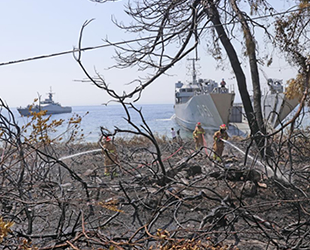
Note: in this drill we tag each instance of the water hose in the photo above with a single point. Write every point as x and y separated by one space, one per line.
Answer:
82 153
249 156
97 150
205 144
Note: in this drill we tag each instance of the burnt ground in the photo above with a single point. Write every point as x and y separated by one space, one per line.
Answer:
229 204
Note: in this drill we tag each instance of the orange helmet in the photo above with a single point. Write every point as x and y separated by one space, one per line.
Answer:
107 138
198 124
223 126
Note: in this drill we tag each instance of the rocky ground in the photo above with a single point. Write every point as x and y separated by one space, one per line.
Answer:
231 204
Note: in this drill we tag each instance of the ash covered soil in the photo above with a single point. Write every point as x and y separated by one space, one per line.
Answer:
231 203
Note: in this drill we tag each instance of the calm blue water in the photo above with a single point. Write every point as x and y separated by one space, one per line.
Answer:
159 118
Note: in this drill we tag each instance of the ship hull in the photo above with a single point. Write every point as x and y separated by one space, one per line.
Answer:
50 110
211 110
276 107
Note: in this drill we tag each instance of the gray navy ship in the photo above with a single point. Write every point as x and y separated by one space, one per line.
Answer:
48 104
202 101
206 102
276 107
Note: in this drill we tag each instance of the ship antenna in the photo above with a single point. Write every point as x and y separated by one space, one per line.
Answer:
50 94
194 70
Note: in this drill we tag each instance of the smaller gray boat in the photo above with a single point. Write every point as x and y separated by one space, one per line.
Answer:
48 104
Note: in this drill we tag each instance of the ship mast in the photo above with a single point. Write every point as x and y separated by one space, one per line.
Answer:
50 95
194 82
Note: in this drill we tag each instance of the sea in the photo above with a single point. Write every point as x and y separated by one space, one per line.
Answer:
158 117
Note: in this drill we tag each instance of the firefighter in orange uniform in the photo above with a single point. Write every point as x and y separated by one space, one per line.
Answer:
198 136
218 145
110 155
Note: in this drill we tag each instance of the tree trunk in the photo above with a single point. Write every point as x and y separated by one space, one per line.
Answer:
235 64
251 48
257 95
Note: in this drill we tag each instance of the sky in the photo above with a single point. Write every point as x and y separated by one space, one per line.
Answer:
40 27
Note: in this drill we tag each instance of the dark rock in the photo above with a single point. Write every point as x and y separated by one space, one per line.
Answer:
252 175
237 175
249 189
193 170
